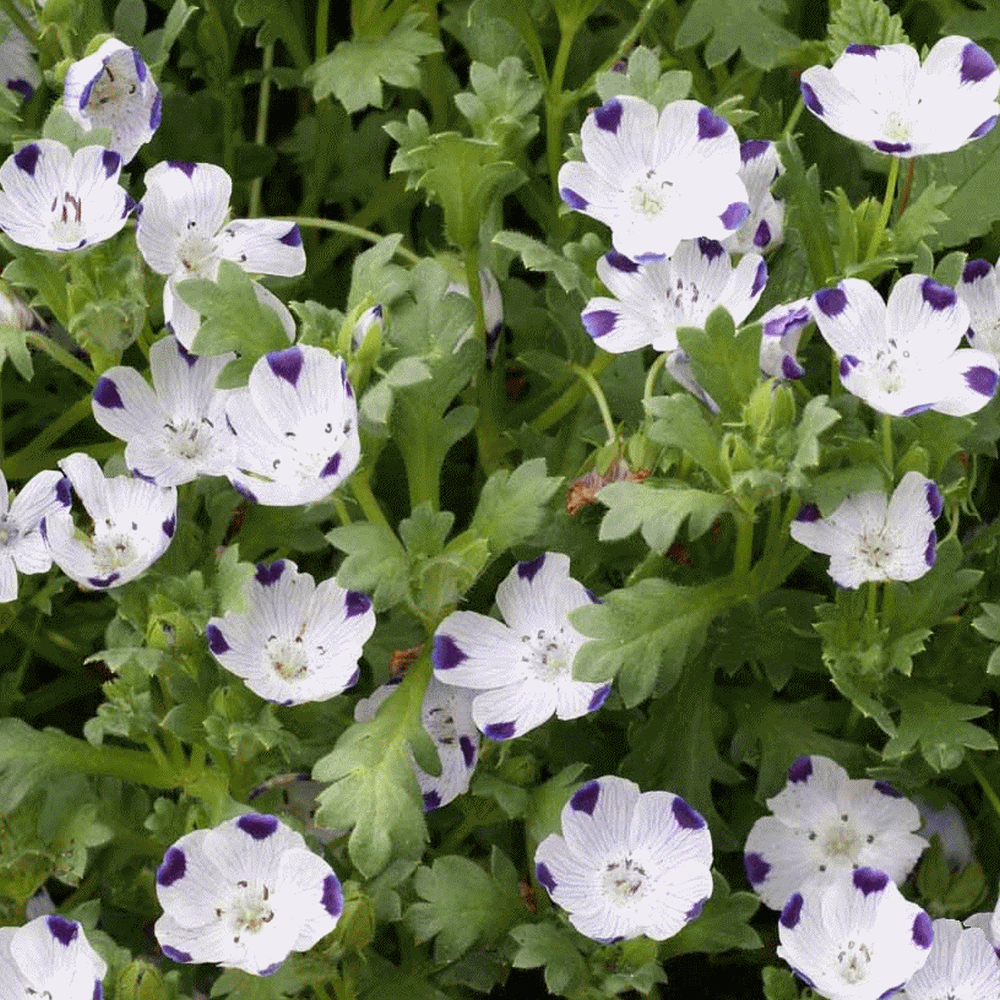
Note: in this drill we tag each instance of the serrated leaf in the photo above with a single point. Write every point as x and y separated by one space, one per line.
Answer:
680 422
643 78
553 949
14 345
724 923
512 505
376 562
779 984
278 21
738 25
536 256
923 217
500 105
863 22
816 418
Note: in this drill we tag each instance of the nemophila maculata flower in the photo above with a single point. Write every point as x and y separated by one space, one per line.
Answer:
825 823
627 862
855 938
881 95
18 66
961 965
781 330
112 88
132 524
53 199
22 548
652 300
872 537
297 641
49 957
764 227
979 289
522 670
902 357
446 715
176 430
296 427
656 179
244 895
182 232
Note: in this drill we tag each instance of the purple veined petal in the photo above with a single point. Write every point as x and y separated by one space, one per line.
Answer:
711 125
869 880
257 825
500 730
571 198
791 913
977 64
802 767
26 158
544 877
528 569
891 148
608 117
810 99
172 868
756 868
862 50
599 323
585 798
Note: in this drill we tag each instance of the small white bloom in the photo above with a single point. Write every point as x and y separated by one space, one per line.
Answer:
492 310
764 227
855 938
902 357
18 67
871 537
652 300
627 863
372 316
824 824
244 895
781 330
961 963
296 642
657 179
113 89
176 430
49 957
522 671
133 524
678 366
53 199
45 495
446 715
182 233
296 425
881 96
979 289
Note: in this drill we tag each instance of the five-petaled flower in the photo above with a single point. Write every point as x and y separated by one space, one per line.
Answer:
902 357
522 671
49 957
881 96
871 537
824 824
781 330
961 963
657 179
627 862
244 895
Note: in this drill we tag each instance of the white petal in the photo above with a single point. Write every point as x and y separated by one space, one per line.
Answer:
263 246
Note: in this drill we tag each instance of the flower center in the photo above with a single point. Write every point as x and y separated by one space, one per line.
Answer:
842 842
874 548
651 194
623 881
249 911
289 658
189 439
109 93
440 724
67 224
896 127
114 549
546 654
853 961
8 531
197 254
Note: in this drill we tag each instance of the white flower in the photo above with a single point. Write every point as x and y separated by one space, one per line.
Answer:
133 523
112 89
657 179
871 537
652 300
176 430
372 316
522 671
856 938
825 824
883 97
764 228
296 642
979 289
244 895
781 329
446 715
961 963
53 199
296 425
18 67
627 863
45 495
902 357
182 233
49 957
492 310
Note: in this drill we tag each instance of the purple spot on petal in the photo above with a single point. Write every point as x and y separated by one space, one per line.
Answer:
175 953
26 158
353 679
935 503
106 394
938 296
98 993
608 117
63 492
805 979
802 767
847 364
286 364
331 467
257 825
526 570
756 867
711 125
831 301
923 930
432 800
585 798
357 603
599 697
754 148
140 66
862 50
620 262
735 215
687 816
216 640
172 867
649 258
980 130
889 790
975 269
930 552
21 87
88 89
112 162
265 575
762 237
500 730
156 112
790 368
468 749
710 248
599 322
982 380
792 910
809 513
332 899
63 930
810 98
185 168
169 526
99 582
695 910
544 877
890 991
869 880
760 279
977 64
270 970
130 205
293 238
244 491
43 530
445 654
572 199
891 147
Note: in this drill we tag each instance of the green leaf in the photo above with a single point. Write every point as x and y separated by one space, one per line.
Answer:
14 345
279 21
512 505
988 624
38 273
724 924
536 256
376 562
463 904
816 418
554 949
779 984
863 22
939 726
374 277
738 25
355 70
499 108
644 79
289 980
659 510
680 421
923 217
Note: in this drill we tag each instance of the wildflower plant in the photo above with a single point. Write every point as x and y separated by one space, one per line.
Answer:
499 499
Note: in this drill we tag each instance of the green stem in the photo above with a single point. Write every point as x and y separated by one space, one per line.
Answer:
556 104
475 291
793 118
573 396
654 371
744 546
602 404
904 198
887 449
361 488
260 136
19 20
984 784
62 356
311 222
322 27
883 219
871 616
